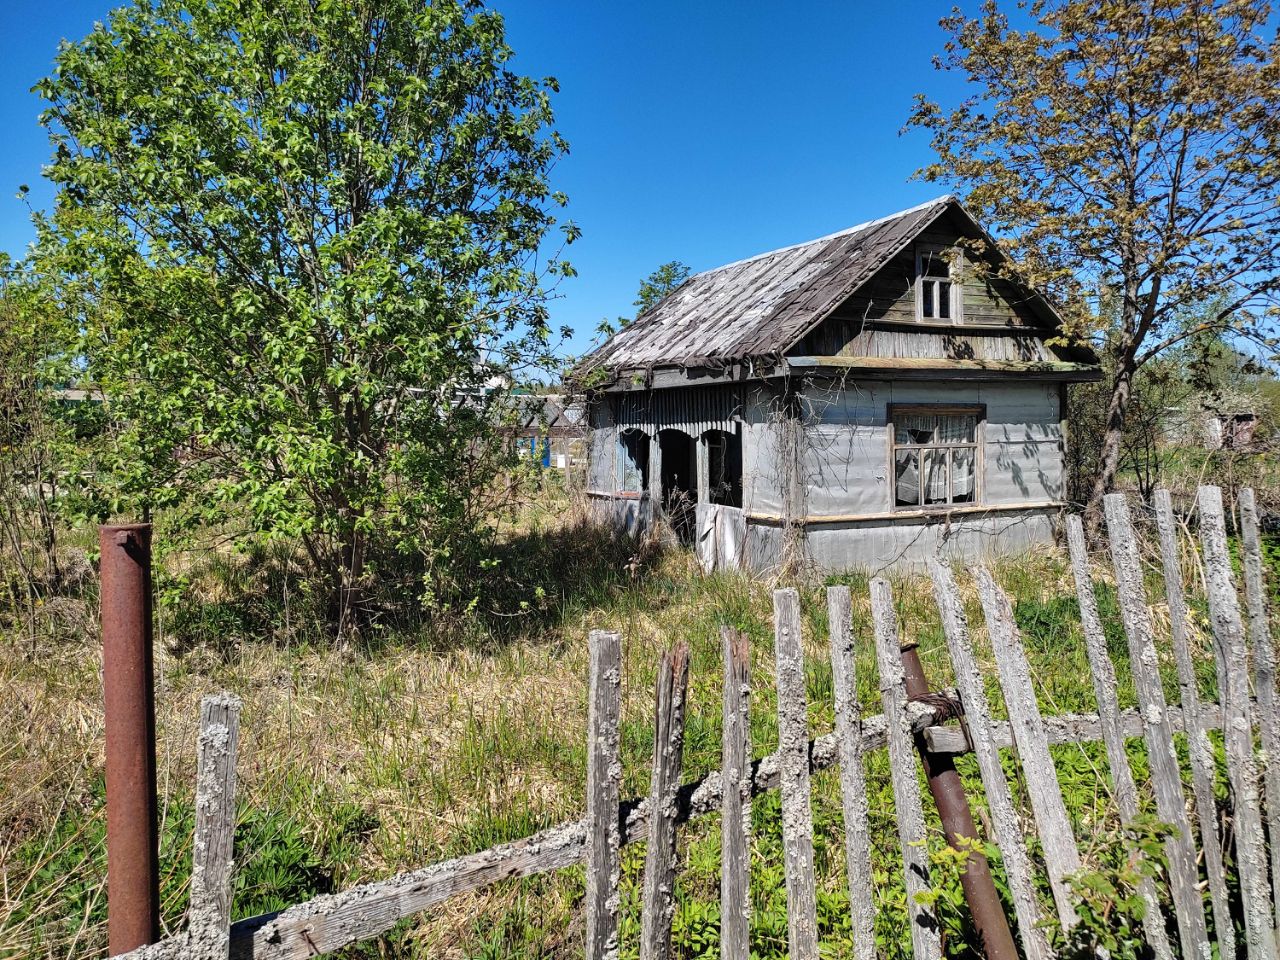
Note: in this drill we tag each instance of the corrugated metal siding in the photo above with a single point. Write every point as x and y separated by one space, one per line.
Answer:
693 409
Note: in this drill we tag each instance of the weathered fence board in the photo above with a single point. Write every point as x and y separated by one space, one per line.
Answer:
604 778
1264 676
1102 671
1166 778
212 847
1200 750
668 763
1032 745
793 750
1224 612
853 776
925 940
977 711
735 822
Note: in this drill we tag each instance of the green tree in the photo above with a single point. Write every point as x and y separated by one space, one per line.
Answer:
655 287
304 238
1126 150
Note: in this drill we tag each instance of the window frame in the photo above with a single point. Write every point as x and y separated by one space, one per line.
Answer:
976 410
954 278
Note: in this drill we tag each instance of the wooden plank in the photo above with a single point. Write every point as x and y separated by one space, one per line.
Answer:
1264 675
1004 818
1102 671
1166 776
925 939
1061 855
668 763
213 844
1204 768
1237 725
735 820
793 752
853 776
1059 728
604 778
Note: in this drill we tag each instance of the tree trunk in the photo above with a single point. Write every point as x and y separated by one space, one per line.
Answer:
1112 439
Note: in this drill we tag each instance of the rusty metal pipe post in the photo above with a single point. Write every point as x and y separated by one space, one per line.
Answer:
133 899
957 821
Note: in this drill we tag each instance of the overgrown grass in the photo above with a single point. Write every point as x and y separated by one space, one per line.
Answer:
435 739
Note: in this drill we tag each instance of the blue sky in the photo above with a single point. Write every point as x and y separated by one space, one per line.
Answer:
703 132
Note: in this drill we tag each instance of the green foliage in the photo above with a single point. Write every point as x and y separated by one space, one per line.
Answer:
302 240
277 864
653 289
1106 895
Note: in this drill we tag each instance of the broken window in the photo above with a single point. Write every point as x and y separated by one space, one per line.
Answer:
937 295
935 456
724 467
633 461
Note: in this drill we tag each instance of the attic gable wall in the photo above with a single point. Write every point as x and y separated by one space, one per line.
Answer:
880 319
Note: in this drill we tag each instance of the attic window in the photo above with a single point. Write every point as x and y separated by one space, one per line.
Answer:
937 294
937 455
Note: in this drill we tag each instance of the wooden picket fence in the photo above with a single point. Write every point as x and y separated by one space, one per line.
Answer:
333 921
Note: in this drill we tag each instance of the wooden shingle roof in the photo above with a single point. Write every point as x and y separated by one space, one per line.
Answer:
756 309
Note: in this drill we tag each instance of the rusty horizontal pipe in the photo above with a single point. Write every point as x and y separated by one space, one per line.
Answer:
133 898
957 821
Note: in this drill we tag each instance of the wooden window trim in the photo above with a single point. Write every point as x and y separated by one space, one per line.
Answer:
956 293
978 410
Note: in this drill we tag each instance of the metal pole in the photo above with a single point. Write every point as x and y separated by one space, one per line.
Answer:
133 911
957 821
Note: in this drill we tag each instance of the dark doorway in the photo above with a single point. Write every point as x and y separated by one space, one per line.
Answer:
724 467
679 481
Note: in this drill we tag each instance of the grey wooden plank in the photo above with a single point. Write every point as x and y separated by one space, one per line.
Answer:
1102 671
1264 676
735 819
925 938
1200 751
793 753
604 778
1166 777
1004 818
213 844
1061 855
853 776
658 907
1237 725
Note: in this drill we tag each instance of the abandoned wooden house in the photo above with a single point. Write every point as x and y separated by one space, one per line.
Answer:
858 401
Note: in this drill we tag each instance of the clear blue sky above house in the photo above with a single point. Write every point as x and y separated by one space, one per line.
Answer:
703 132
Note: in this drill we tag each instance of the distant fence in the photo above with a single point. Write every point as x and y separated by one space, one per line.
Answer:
905 726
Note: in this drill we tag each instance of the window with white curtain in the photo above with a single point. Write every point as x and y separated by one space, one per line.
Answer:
936 453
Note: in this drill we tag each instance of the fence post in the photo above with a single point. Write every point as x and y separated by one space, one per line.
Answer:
213 846
1061 855
977 711
1264 671
926 941
133 898
793 764
1237 727
604 778
1204 768
668 756
853 776
1102 670
1166 778
735 778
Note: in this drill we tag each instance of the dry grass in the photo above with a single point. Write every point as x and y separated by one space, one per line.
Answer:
434 747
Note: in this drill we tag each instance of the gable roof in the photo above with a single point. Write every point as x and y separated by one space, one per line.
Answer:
761 306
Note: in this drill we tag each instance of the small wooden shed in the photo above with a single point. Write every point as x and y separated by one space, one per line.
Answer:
865 399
